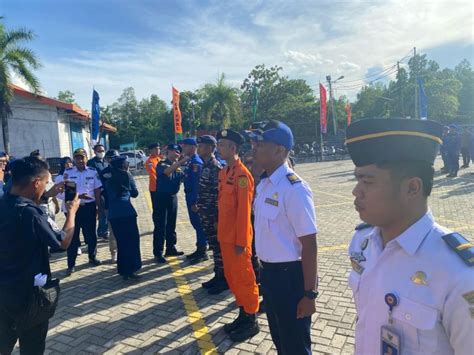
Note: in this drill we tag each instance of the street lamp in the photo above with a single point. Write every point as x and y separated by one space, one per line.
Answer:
328 78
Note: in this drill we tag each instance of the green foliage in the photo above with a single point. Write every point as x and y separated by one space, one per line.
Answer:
14 58
66 96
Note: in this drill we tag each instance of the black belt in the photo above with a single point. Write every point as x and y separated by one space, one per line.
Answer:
289 265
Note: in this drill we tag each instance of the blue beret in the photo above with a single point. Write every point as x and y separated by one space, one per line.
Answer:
189 141
174 146
208 139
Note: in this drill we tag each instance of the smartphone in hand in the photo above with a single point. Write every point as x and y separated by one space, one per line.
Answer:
70 190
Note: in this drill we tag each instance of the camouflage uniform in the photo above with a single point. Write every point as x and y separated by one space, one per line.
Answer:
207 209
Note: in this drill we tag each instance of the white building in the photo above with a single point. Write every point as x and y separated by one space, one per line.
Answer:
54 127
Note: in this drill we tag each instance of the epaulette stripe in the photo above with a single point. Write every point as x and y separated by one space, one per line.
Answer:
461 246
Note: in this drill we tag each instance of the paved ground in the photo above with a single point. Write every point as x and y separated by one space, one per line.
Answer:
168 312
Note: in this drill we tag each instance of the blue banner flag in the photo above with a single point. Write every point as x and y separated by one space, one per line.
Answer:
423 101
95 116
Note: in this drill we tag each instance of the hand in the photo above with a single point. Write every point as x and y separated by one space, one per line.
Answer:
239 250
194 208
183 160
55 190
73 205
306 307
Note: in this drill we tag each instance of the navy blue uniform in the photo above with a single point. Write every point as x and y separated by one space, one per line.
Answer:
167 206
25 235
120 186
453 149
100 166
191 188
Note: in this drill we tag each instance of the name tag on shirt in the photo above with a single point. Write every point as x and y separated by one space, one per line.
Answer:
89 178
390 342
271 202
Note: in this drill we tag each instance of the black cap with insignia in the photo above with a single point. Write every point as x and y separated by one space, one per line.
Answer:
174 146
153 146
231 135
374 141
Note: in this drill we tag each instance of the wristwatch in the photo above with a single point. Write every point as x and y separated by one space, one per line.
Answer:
311 294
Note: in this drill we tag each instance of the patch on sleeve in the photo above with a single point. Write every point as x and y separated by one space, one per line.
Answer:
243 183
469 297
293 178
195 168
461 246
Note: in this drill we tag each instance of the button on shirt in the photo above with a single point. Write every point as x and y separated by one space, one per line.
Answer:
284 212
86 181
434 315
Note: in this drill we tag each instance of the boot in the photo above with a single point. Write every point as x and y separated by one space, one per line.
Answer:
228 328
193 255
247 328
200 256
208 284
173 252
219 286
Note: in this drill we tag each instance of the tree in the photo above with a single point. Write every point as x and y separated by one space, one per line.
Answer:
465 75
220 104
14 58
66 96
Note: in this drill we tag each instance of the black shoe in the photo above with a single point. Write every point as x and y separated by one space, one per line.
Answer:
228 328
95 262
208 284
160 259
199 258
218 287
247 329
134 277
193 255
70 271
173 252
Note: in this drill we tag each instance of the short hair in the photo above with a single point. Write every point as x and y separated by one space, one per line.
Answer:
27 169
97 146
400 170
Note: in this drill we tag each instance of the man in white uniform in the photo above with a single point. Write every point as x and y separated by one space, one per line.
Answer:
285 241
412 279
89 190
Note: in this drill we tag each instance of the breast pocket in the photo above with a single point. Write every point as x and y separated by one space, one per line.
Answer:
268 213
418 323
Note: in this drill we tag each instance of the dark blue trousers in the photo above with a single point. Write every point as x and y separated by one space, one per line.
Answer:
167 213
201 239
283 288
85 220
128 245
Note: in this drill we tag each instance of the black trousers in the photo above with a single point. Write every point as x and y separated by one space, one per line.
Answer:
466 157
32 341
282 285
85 220
167 213
154 213
128 244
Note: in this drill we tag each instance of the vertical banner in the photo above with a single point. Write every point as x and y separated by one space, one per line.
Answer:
323 119
423 101
95 117
178 129
349 113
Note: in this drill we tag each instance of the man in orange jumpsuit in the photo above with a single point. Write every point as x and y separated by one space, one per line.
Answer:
150 166
234 232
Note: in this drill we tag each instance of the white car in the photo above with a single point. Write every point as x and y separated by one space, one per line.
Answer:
136 159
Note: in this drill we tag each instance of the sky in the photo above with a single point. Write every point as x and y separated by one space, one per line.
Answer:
152 45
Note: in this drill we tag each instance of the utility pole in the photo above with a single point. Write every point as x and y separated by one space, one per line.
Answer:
400 88
328 78
416 83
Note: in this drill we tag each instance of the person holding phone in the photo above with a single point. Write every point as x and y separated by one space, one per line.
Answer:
123 217
88 187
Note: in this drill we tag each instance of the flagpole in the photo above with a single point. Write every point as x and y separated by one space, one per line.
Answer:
320 127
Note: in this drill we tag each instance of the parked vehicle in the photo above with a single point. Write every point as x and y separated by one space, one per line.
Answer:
136 159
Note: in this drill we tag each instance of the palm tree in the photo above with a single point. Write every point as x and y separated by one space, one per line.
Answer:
14 59
220 103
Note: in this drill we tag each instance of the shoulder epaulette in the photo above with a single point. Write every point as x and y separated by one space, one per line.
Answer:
461 246
362 226
293 178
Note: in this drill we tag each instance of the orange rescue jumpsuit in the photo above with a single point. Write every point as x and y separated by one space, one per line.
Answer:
234 228
150 166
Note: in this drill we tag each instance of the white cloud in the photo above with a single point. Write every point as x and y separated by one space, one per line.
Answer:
309 39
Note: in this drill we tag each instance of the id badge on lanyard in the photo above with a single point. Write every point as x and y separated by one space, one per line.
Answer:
390 341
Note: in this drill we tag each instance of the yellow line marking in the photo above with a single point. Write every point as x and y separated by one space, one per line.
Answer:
200 330
333 247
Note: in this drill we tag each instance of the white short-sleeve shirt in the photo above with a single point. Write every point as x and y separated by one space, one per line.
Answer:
284 212
86 181
435 289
